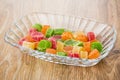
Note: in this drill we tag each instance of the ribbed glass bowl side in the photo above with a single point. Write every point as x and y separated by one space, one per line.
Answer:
105 33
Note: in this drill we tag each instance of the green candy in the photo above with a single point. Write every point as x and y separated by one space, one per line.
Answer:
73 43
37 26
43 45
61 54
49 32
58 31
97 45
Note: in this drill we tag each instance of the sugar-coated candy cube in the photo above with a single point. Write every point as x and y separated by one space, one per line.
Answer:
76 49
53 41
60 46
75 55
37 26
21 41
49 32
45 28
94 54
30 45
61 54
87 46
96 45
58 31
91 36
50 50
67 35
68 49
43 45
37 36
83 54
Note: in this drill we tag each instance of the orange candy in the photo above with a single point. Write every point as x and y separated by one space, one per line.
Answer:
81 37
36 44
95 40
50 50
44 29
86 46
94 54
29 38
68 49
66 35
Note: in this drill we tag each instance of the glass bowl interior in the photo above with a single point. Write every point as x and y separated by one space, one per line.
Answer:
104 33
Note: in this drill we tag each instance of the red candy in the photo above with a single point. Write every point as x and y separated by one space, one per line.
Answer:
53 41
21 41
75 55
91 36
32 30
37 36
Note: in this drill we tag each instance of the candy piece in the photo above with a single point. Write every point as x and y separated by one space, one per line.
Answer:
60 46
75 55
68 49
81 37
78 43
69 42
73 42
21 41
37 26
28 45
91 36
83 54
78 33
44 44
66 35
76 49
57 37
94 54
58 31
87 46
44 29
36 44
29 38
37 36
61 54
50 50
53 41
96 45
49 32
95 40
32 30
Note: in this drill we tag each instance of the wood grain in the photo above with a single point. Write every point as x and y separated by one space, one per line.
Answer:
15 65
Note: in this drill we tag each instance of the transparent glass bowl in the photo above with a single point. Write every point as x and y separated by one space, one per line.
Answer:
104 32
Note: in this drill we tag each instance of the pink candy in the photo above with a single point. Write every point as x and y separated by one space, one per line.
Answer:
75 55
21 41
37 36
54 43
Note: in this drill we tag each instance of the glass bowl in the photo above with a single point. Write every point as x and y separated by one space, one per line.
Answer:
104 32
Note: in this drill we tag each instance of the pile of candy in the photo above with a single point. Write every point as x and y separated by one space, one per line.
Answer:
62 42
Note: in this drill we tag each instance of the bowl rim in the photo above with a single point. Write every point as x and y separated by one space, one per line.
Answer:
97 59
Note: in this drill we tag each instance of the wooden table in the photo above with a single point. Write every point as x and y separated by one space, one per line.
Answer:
17 66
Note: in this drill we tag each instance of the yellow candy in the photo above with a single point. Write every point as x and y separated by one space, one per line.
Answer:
28 45
76 49
60 46
83 54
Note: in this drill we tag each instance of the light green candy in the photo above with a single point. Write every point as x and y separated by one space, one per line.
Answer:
97 45
73 43
49 32
58 31
43 45
37 26
61 54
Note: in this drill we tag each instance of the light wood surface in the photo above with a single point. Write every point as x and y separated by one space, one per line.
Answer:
15 65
